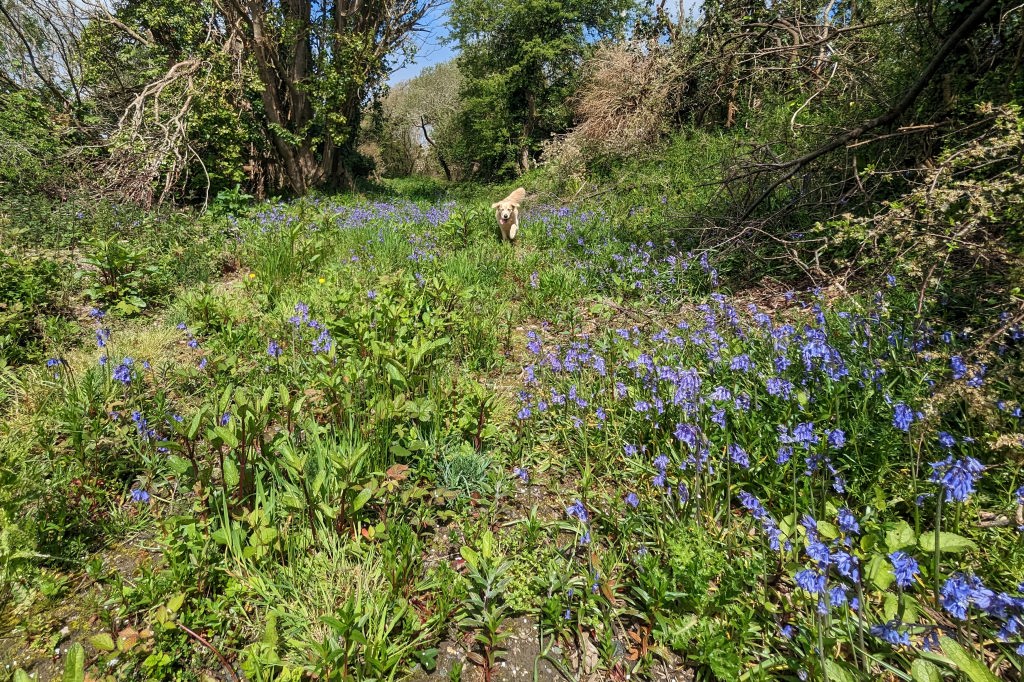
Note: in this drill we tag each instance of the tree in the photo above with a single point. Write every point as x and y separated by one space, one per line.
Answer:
520 61
317 62
419 115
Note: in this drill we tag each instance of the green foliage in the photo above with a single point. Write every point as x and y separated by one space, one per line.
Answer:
519 63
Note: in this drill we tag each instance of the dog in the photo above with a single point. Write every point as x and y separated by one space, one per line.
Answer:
507 213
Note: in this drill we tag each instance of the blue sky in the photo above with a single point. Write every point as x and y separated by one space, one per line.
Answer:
430 51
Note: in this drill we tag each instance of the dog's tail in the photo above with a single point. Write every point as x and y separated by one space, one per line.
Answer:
516 197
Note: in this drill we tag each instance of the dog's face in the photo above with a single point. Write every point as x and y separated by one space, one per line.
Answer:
505 210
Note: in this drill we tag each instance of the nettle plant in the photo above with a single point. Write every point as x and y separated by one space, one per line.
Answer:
839 456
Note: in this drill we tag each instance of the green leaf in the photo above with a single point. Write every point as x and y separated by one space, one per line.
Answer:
471 557
925 671
231 475
175 603
966 662
21 676
879 572
827 530
948 542
838 673
103 642
890 606
74 664
899 537
361 499
487 544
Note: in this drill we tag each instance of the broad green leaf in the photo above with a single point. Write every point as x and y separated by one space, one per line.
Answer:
361 499
975 670
487 544
890 606
74 664
231 475
21 676
925 671
175 603
899 537
948 542
471 557
837 672
879 572
103 642
827 530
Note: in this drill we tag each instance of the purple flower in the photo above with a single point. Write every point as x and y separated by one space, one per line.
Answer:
140 496
274 349
810 581
957 477
741 363
102 337
905 568
739 456
632 500
836 438
522 473
959 367
372 295
946 440
123 372
578 511
889 632
902 417
847 522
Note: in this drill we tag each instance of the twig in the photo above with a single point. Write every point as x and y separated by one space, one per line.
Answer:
199 638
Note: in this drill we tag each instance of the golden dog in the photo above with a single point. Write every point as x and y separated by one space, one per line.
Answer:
507 213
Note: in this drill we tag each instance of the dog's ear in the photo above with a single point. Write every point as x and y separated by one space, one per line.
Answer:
496 204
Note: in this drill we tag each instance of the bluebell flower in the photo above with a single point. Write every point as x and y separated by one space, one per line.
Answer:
140 496
739 456
274 349
847 522
810 581
524 413
784 454
955 593
52 362
522 473
959 367
946 440
225 419
578 511
779 387
905 568
192 343
102 337
181 326
96 314
836 438
890 280
890 633
629 450
957 477
902 417
632 500
123 372
741 363
372 295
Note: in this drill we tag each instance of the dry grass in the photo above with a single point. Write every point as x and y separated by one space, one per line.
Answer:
628 93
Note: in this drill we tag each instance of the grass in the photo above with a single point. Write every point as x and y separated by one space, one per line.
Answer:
379 429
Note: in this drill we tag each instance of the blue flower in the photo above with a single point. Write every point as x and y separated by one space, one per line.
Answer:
957 477
810 581
372 295
959 367
905 568
889 632
836 438
739 456
955 593
847 522
902 417
522 473
578 511
274 349
123 372
946 440
787 631
632 500
96 314
140 496
741 363
102 337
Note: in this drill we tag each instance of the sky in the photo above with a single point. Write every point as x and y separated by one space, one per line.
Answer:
431 50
